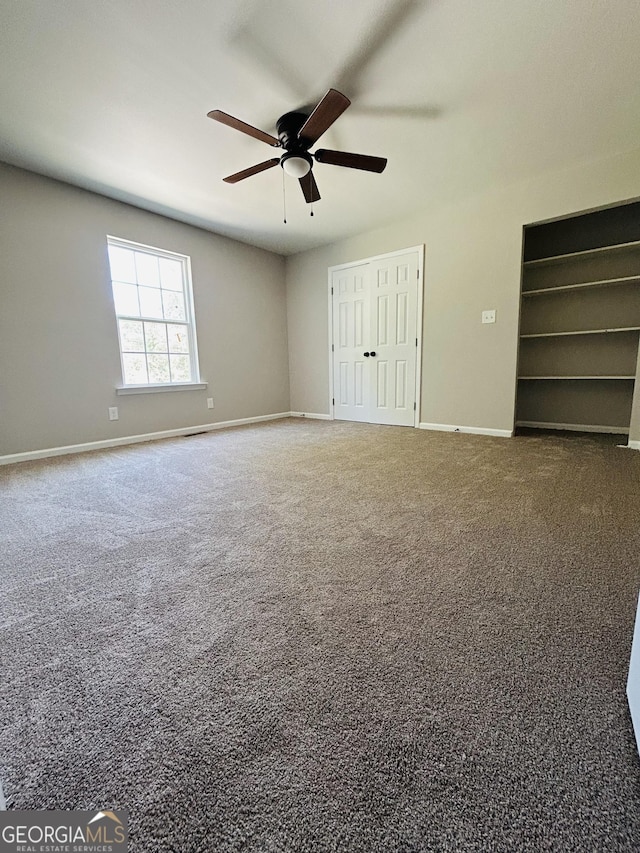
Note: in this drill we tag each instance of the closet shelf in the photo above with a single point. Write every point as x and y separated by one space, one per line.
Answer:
558 259
577 377
614 430
582 332
606 282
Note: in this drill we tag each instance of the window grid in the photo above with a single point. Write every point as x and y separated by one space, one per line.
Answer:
163 279
145 351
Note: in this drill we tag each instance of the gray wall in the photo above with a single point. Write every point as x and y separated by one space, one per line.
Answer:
472 262
59 359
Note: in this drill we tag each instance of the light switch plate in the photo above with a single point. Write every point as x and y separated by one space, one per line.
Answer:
489 316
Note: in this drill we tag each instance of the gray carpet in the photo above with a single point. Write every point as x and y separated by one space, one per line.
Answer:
311 636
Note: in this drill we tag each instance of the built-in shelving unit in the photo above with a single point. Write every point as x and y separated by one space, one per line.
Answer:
580 322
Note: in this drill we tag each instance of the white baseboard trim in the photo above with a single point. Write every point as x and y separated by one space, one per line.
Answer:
313 415
633 445
133 439
501 433
574 427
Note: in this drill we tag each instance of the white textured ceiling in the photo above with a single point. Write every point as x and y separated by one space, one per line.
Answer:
113 95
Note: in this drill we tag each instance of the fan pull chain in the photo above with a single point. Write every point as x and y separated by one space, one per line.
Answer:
284 200
311 214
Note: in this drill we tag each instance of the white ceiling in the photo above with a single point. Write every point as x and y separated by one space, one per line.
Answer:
113 95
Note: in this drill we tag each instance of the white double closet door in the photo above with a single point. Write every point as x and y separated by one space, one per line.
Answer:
375 334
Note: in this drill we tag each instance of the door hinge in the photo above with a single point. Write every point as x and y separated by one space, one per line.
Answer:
333 402
414 407
332 348
332 291
417 273
416 342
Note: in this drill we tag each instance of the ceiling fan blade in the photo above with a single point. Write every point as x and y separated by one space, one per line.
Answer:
351 161
236 124
309 188
252 170
326 112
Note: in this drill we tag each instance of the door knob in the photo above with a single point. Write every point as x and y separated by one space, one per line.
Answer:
366 355
372 353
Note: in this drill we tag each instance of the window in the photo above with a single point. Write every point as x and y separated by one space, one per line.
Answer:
154 309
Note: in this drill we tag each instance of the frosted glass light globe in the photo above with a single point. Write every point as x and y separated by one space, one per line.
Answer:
297 167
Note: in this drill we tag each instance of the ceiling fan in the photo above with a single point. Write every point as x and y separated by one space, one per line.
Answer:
297 133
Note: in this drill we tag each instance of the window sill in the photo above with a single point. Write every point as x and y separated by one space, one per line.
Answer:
153 389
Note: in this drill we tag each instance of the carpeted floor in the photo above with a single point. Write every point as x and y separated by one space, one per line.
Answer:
303 637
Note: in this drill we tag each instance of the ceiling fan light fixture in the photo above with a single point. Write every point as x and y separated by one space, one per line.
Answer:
296 165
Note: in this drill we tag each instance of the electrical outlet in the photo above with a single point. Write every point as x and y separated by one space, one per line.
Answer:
113 413
489 316
209 402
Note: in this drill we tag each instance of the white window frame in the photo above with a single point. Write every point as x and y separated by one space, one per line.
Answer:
189 323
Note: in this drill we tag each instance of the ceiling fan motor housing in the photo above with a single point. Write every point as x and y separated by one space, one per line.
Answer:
288 128
296 149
